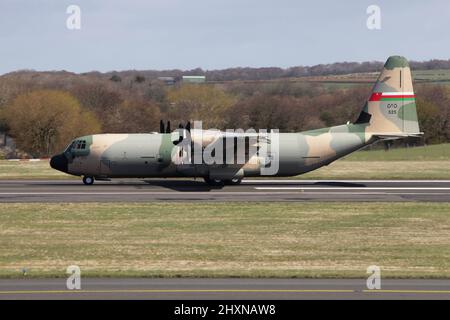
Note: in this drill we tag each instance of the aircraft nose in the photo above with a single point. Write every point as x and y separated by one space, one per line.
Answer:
59 162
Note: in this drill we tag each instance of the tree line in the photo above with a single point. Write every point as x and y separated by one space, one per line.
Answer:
270 73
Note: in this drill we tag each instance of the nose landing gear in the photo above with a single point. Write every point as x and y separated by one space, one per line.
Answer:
88 180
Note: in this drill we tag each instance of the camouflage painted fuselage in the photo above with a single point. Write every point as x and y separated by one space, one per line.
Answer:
151 155
389 113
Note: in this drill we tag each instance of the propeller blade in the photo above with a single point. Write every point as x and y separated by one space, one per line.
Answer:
161 126
188 126
168 127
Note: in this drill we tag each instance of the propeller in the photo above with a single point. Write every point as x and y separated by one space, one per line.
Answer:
187 127
164 129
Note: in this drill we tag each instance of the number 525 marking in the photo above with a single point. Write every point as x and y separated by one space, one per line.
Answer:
392 108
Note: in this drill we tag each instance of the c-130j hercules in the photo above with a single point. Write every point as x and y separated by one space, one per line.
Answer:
389 113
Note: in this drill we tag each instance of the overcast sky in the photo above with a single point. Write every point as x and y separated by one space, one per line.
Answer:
215 34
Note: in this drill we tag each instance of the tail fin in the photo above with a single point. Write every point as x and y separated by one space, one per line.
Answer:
391 108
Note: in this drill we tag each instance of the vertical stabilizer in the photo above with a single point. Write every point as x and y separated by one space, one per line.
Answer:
391 108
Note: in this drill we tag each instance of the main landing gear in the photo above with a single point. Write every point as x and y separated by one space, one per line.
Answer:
220 182
88 180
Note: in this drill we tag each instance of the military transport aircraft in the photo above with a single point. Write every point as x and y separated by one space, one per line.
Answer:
389 113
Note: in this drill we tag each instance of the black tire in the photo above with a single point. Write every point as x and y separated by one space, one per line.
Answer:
88 180
233 182
214 182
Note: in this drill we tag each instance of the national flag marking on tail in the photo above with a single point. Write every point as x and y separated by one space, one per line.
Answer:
391 96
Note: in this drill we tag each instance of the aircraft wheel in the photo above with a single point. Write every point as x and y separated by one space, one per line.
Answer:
214 182
88 180
233 182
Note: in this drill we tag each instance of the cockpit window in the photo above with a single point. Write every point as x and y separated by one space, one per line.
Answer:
81 144
78 145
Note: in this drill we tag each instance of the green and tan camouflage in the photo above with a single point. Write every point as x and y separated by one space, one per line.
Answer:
389 113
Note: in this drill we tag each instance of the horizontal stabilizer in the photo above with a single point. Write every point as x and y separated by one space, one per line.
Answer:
396 135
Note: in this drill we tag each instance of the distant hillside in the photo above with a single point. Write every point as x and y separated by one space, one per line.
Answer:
245 73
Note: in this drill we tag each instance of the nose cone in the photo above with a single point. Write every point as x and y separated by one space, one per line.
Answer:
59 162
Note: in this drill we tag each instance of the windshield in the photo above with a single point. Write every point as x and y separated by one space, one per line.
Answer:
76 145
70 146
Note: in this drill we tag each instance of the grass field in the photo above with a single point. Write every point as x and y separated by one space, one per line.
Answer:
344 81
439 76
29 170
401 170
226 239
438 152
430 162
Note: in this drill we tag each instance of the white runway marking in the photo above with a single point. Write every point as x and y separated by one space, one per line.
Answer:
142 193
341 181
288 190
352 188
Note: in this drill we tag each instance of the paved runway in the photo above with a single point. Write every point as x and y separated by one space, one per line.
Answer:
249 190
224 289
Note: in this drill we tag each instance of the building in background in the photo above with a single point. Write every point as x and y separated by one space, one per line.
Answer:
194 79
